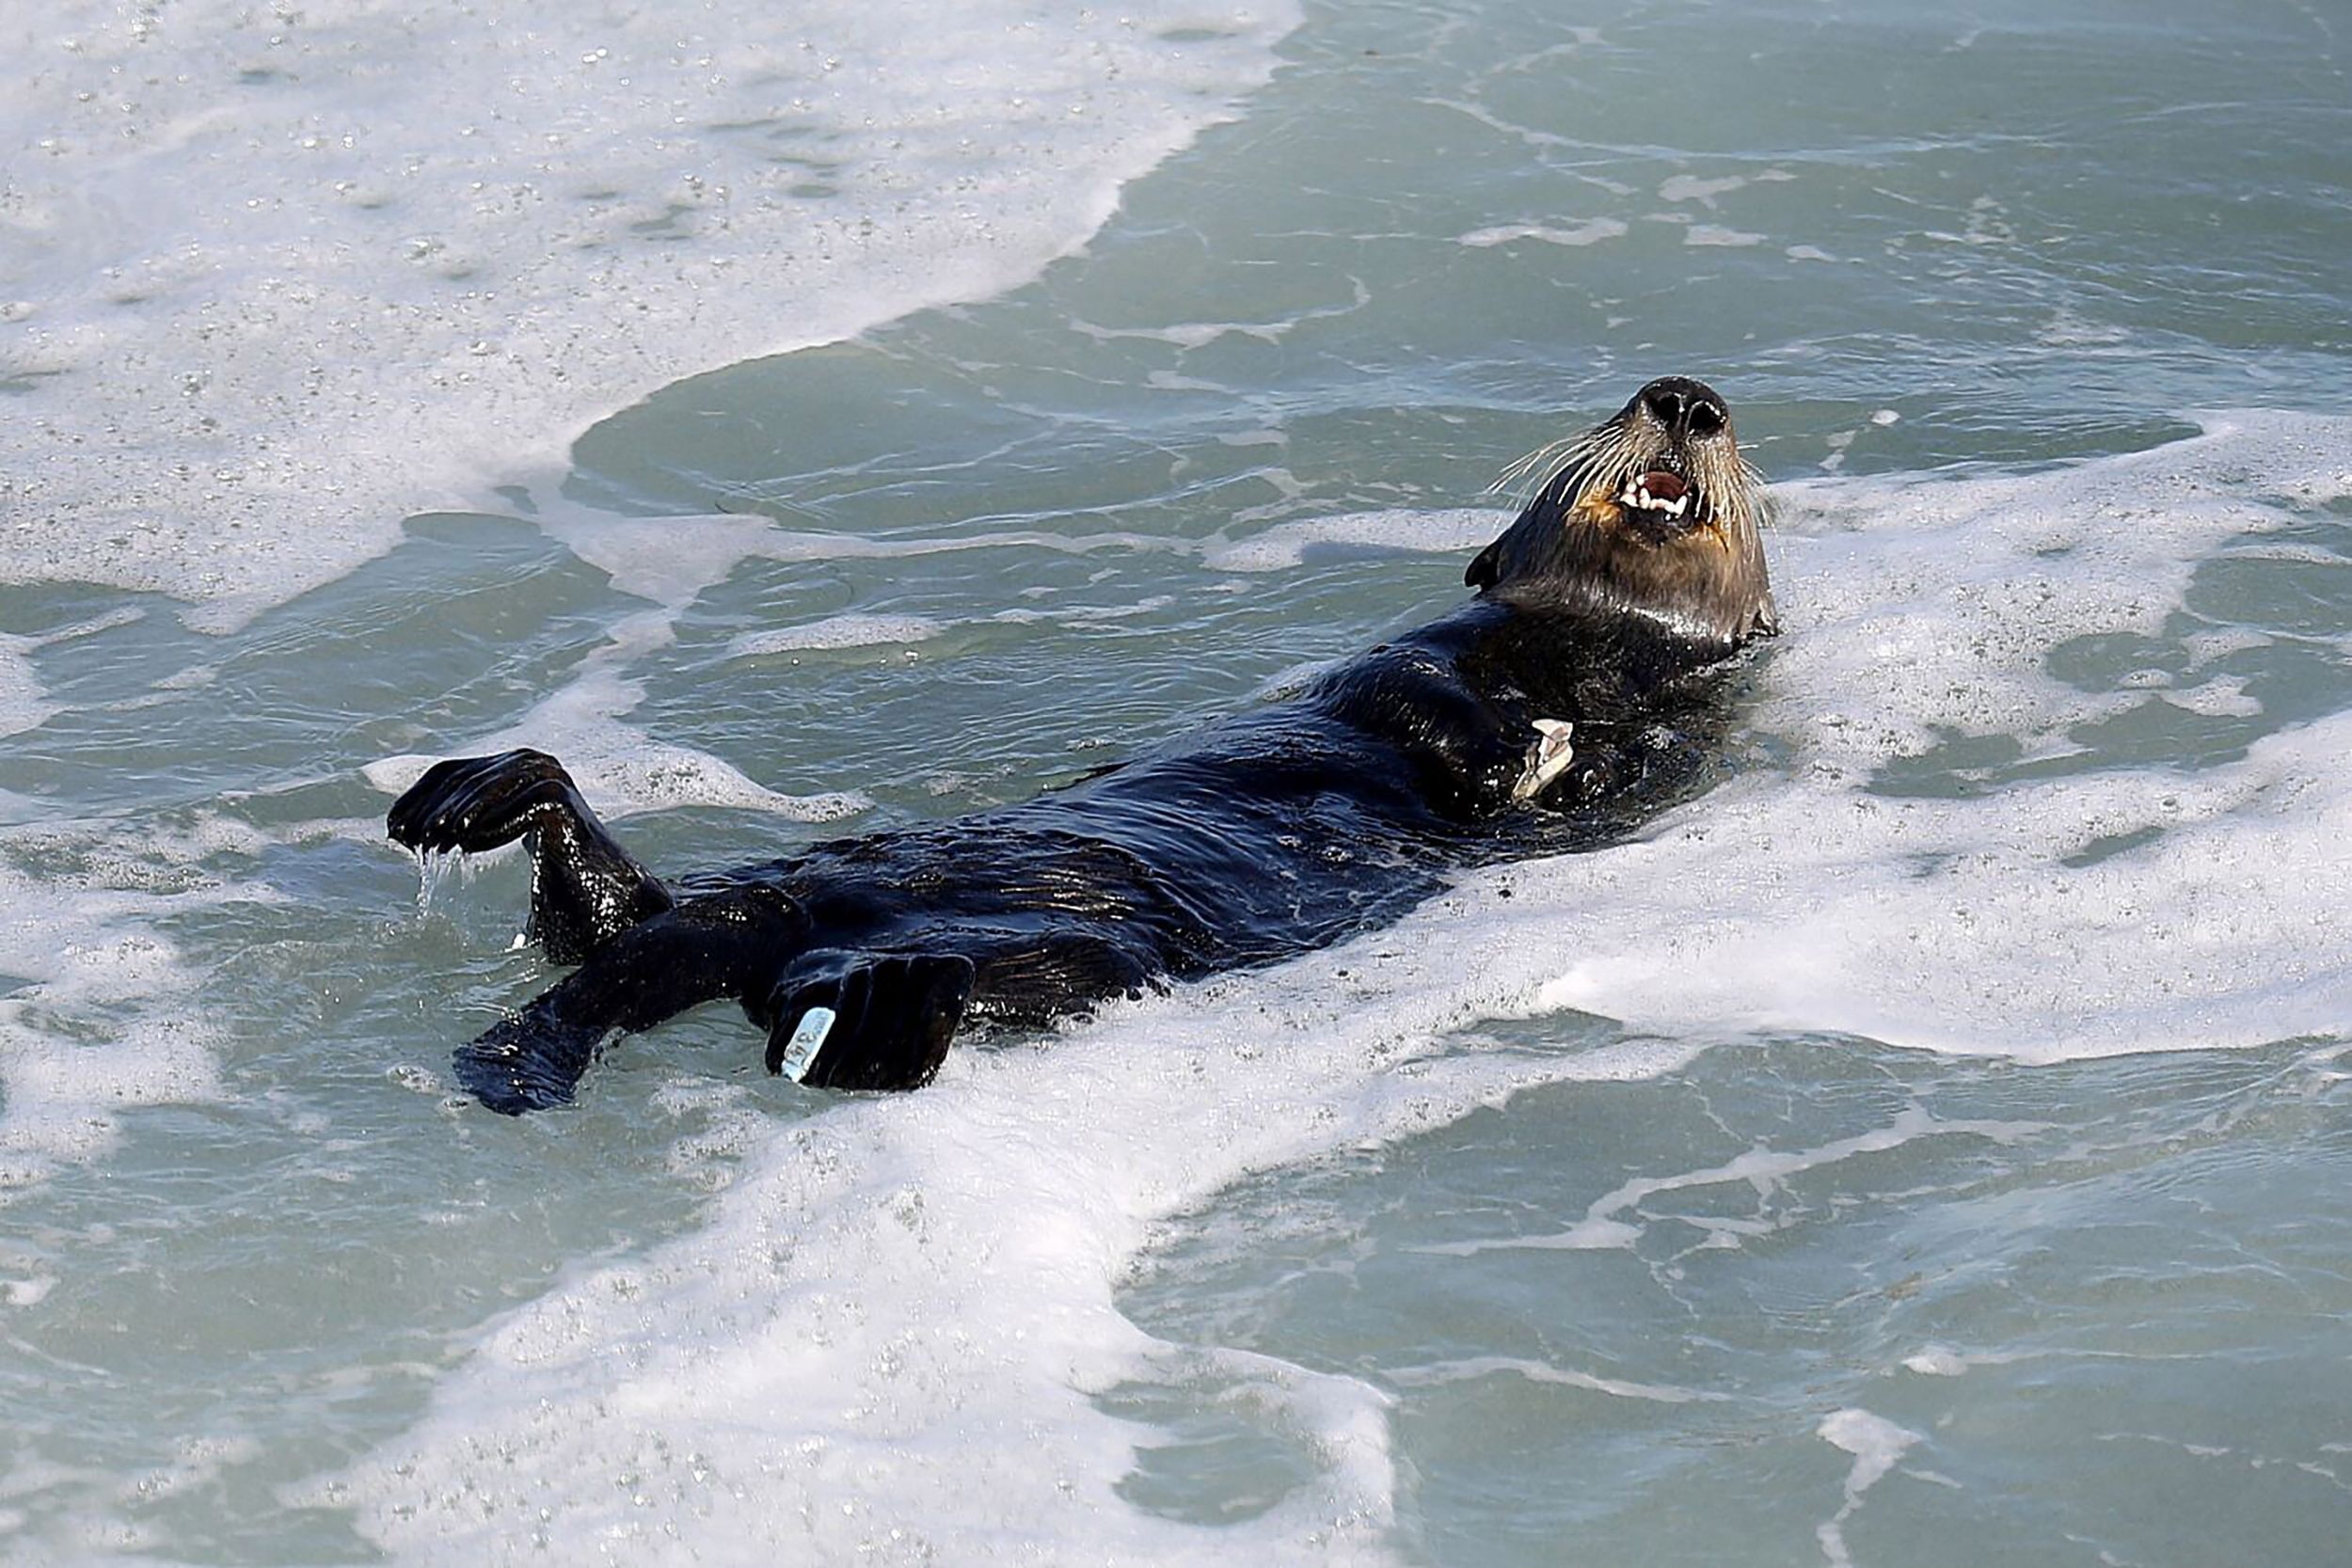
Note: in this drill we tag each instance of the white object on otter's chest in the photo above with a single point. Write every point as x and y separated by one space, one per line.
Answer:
1547 759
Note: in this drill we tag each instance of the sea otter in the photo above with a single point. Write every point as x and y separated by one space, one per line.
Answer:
1574 692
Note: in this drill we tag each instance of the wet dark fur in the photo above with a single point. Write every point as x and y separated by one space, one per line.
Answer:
1277 831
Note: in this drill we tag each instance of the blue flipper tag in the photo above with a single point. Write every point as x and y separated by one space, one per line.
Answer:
808 1037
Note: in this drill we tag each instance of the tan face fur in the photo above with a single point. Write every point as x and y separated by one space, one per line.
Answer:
1654 510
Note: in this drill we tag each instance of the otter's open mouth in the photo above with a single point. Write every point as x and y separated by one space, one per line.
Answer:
1663 495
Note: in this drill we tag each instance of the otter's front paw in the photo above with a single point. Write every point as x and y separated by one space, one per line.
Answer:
477 803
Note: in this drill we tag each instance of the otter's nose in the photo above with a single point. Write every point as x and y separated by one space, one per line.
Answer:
1683 411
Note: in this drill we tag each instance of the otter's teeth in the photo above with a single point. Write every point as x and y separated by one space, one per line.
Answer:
1637 496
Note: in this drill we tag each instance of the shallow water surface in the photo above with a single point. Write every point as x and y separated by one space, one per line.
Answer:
1928 1147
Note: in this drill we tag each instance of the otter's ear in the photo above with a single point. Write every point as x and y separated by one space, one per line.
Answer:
1487 569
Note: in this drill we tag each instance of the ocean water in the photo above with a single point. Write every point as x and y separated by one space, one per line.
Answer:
1932 1146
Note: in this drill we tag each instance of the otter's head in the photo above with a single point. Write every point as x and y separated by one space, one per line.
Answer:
1652 511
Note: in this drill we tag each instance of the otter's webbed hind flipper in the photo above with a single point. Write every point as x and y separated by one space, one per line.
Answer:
696 953
532 1061
585 889
867 1021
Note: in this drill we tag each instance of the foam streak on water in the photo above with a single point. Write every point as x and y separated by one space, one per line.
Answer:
280 274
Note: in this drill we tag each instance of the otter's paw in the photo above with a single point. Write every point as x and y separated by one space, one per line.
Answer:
868 1021
478 803
529 1062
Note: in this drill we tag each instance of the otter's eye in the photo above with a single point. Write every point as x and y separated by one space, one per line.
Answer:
1706 419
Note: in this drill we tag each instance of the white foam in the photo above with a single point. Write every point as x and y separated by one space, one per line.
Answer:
1689 187
1764 1169
195 1462
106 1016
1877 1444
1960 926
619 768
837 631
1591 231
26 1292
24 700
285 275
1199 335
1285 544
1944 1361
884 1340
1470 1368
669 561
